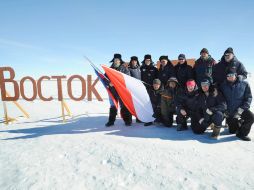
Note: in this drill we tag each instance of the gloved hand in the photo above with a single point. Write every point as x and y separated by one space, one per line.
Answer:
201 120
238 114
209 112
240 77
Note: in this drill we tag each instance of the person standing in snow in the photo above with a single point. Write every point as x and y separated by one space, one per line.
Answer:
119 65
203 68
166 70
211 109
187 105
155 97
228 63
135 68
148 71
183 71
135 72
238 97
169 101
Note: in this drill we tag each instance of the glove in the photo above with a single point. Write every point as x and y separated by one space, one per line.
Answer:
240 77
209 112
238 113
201 120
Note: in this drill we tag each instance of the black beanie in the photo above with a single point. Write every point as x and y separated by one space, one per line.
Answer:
204 50
181 56
229 50
163 57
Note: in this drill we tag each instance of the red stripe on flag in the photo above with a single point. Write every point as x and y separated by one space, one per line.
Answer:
117 79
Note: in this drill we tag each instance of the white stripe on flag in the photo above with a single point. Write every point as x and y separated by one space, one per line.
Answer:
140 98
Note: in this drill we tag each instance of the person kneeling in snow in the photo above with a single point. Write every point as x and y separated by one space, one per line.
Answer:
168 101
119 65
187 105
155 97
238 96
212 106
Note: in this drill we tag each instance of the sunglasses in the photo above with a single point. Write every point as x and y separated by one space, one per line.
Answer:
227 55
180 59
230 75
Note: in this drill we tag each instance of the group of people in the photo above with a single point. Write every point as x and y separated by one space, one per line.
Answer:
206 93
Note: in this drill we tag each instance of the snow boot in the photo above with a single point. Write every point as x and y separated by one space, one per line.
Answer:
112 117
242 137
216 132
181 127
148 124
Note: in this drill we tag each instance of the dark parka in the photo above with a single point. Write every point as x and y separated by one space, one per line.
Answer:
135 71
188 100
155 97
237 94
183 72
215 101
166 72
203 69
148 73
223 68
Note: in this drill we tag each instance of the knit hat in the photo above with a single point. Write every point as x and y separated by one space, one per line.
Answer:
191 83
173 79
205 82
156 81
181 56
163 57
204 50
229 50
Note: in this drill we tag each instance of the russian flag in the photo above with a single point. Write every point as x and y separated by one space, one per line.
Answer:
105 83
133 94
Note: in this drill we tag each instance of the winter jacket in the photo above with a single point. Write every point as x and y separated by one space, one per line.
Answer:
237 94
188 100
169 99
135 72
166 72
203 69
148 73
155 96
223 68
215 101
183 72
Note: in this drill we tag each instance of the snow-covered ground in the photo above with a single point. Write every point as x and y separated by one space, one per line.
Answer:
44 153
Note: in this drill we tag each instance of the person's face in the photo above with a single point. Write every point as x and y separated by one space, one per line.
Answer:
229 57
134 63
117 62
164 62
204 55
205 87
126 64
181 61
172 84
156 86
231 78
148 61
190 88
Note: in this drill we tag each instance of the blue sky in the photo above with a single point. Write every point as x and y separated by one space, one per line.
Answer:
51 36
